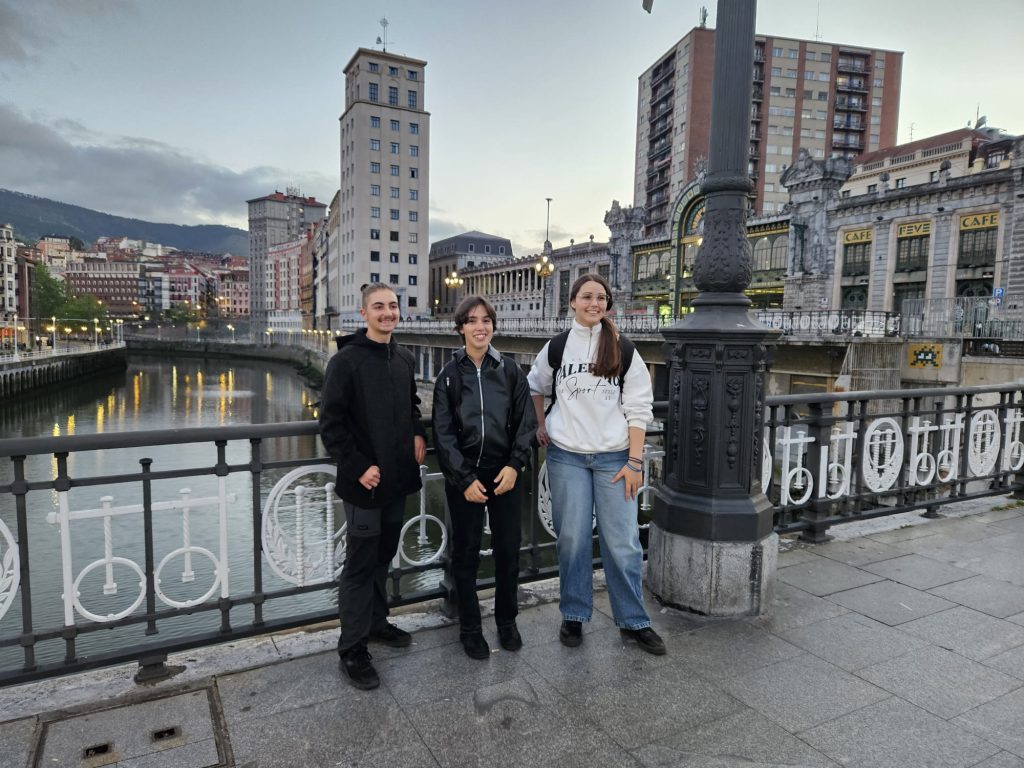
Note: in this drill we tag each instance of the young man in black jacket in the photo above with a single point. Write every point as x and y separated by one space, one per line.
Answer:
370 425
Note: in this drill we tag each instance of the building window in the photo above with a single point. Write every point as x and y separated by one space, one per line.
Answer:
395 148
374 255
414 216
375 122
393 279
394 237
846 193
414 173
394 192
394 214
791 73
394 257
472 248
912 254
856 259
375 234
413 301
375 190
374 167
374 66
374 90
823 77
374 212
393 71
775 90
395 125
413 258
412 74
872 188
792 53
501 250
822 95
414 237
809 56
412 99
977 248
776 71
791 93
375 145
414 194
375 277
414 128
395 170
414 151
776 52
412 279
393 96
901 183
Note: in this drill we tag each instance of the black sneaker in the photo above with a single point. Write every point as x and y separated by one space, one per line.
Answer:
392 636
355 663
475 645
647 639
571 633
510 638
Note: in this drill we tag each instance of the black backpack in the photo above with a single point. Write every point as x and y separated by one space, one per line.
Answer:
556 348
454 386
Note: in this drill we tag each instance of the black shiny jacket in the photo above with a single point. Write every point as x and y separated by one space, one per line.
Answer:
496 421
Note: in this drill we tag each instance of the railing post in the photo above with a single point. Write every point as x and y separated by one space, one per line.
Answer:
820 510
711 546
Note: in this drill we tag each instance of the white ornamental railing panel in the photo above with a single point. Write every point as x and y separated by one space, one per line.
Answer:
10 568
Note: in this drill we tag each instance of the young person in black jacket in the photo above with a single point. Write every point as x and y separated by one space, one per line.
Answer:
370 425
483 422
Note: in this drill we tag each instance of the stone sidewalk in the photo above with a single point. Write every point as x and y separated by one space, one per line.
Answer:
901 643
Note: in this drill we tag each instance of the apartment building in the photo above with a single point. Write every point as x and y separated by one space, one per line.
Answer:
385 172
832 99
275 219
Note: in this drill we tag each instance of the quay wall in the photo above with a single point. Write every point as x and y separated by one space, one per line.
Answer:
30 375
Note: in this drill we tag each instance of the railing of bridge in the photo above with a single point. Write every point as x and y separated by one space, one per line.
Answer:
827 460
823 324
630 324
68 349
243 535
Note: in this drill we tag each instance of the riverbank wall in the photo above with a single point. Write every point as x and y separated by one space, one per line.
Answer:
30 375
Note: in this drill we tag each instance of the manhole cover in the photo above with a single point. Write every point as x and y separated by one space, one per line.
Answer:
176 730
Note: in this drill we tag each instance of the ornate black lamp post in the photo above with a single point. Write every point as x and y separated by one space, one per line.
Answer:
712 549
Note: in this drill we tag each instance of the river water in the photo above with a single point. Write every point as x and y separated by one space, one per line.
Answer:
156 393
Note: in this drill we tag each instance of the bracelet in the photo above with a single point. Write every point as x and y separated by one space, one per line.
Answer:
634 469
635 458
631 460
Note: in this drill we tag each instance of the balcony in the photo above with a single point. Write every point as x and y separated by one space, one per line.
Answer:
844 105
852 65
857 86
841 125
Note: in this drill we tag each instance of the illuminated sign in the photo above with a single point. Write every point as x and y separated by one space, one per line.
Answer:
917 229
858 236
979 220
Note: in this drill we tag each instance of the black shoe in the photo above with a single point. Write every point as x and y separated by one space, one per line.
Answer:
510 638
647 639
475 646
571 633
392 636
355 663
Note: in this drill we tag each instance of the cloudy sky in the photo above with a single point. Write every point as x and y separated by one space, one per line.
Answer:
180 110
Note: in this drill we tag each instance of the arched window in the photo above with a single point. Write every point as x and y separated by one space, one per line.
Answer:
780 252
762 255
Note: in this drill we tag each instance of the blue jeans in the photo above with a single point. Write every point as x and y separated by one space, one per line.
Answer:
581 483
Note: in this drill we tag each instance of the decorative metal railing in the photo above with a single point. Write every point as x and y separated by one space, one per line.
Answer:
839 322
257 550
636 325
988 317
826 460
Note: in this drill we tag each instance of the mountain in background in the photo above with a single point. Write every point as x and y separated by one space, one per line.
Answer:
32 217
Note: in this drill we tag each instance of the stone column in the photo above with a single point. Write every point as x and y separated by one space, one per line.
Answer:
712 549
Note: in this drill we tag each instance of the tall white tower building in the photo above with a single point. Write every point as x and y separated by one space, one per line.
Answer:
385 173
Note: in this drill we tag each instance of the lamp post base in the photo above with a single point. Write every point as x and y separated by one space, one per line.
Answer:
712 578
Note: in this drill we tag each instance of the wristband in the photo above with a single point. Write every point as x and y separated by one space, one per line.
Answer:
635 458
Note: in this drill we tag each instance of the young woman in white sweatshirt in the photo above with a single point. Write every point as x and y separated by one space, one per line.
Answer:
594 435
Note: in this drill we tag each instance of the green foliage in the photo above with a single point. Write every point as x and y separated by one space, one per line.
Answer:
52 299
182 314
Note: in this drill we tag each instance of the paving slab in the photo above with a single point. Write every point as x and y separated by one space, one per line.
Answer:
16 740
517 722
859 551
796 553
1000 721
852 641
985 594
968 528
919 529
895 734
1002 760
939 681
1009 662
1000 564
803 692
359 724
970 633
665 620
823 576
658 756
918 571
1014 523
749 736
731 648
653 705
276 688
891 603
792 607
1011 542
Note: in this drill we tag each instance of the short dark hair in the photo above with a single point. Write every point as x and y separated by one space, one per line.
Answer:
369 288
470 303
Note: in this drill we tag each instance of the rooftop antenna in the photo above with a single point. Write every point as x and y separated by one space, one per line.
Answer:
911 131
817 23
703 16
382 39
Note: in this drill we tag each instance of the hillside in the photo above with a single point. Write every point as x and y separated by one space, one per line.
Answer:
33 217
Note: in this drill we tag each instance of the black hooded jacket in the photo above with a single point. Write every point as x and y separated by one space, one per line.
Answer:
369 413
496 420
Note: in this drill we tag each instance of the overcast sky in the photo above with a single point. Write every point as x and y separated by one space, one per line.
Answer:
179 110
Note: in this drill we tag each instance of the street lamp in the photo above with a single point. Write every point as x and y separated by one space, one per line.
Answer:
232 329
53 327
453 281
16 357
544 268
96 332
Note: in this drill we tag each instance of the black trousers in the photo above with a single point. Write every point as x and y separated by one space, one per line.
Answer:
467 534
371 541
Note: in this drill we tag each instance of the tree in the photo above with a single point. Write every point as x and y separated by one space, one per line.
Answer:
76 244
51 294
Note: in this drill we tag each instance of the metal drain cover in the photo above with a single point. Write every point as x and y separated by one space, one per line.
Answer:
171 732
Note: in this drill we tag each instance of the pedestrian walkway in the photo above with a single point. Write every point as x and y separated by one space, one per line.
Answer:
900 644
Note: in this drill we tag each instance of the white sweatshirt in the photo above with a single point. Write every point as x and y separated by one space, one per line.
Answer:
587 416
